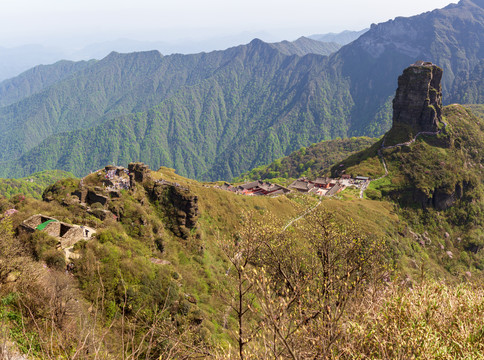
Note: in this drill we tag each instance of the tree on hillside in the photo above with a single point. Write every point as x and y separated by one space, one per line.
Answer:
243 252
302 281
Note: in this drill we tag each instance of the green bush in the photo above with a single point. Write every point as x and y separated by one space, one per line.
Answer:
97 206
41 242
54 259
373 194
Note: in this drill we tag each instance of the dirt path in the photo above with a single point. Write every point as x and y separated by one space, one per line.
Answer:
303 215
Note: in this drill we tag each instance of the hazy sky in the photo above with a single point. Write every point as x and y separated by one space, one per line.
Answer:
49 21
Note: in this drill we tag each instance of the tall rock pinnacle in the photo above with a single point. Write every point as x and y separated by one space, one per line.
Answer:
417 105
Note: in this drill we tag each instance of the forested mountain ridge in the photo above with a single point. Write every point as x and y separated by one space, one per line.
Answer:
203 121
451 37
313 161
33 185
130 83
37 79
40 77
215 115
305 45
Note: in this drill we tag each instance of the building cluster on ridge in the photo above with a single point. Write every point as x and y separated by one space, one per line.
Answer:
258 187
320 186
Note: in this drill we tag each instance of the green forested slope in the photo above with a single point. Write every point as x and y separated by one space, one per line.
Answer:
201 132
304 46
36 79
312 161
469 88
123 84
33 185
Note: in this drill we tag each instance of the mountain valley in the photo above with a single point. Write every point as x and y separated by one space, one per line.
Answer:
245 106
353 226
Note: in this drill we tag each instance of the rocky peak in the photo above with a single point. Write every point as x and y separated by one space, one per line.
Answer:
417 105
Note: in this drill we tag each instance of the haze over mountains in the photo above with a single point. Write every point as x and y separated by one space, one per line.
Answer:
342 38
215 115
15 60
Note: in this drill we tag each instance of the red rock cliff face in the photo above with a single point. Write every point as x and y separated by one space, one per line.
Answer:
418 101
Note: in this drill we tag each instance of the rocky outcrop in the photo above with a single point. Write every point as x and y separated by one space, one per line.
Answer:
91 196
101 214
94 197
418 101
138 172
439 199
180 207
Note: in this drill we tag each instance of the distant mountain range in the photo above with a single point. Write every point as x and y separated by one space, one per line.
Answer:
38 78
304 46
215 115
14 61
342 38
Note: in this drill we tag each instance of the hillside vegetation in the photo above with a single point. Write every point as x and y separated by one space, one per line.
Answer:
439 183
33 185
243 107
143 288
311 162
230 103
37 79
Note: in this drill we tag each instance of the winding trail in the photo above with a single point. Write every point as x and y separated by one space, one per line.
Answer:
303 215
408 143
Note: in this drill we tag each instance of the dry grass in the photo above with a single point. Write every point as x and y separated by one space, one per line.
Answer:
429 321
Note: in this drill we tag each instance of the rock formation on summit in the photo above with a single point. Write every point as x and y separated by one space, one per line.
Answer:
417 105
179 205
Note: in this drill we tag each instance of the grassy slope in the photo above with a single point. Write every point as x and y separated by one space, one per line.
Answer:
432 162
199 274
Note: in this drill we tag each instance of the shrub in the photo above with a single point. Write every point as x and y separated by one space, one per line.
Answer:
54 259
97 206
373 194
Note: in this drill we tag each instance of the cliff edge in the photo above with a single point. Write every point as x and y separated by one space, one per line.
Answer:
417 106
